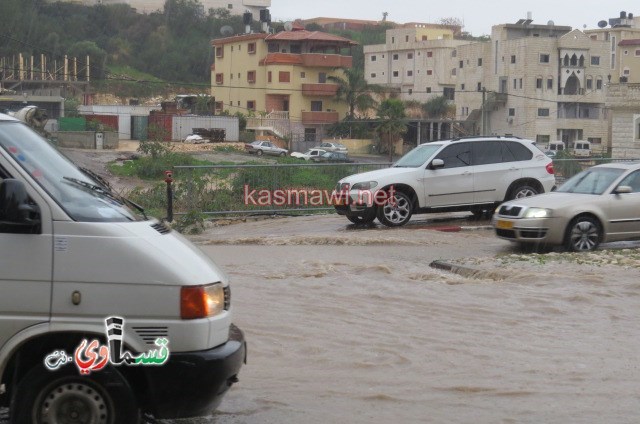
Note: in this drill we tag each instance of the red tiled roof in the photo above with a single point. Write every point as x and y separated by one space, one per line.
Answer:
309 36
630 42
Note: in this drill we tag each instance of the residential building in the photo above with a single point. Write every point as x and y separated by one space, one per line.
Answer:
236 7
419 61
284 76
623 37
624 102
542 82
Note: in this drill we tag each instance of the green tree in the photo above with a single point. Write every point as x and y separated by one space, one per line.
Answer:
437 107
392 125
355 91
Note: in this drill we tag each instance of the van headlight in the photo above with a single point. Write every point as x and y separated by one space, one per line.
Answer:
368 185
201 301
537 213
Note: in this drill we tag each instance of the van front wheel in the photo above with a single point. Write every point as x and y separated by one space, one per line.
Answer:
65 396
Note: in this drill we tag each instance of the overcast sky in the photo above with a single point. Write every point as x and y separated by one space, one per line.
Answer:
478 16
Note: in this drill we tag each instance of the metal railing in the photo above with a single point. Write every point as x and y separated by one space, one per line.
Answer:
288 188
260 189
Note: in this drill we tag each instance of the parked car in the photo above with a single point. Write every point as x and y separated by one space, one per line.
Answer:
105 314
260 147
332 147
309 154
336 157
597 205
195 139
469 174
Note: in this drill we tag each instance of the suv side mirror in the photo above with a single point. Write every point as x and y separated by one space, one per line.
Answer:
436 163
18 215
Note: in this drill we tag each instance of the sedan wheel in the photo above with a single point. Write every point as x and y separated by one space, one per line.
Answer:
583 234
259 153
396 211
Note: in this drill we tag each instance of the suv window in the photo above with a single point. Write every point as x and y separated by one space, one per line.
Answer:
518 151
486 152
456 155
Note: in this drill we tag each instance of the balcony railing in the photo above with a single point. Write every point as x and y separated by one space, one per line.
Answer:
312 60
319 89
320 117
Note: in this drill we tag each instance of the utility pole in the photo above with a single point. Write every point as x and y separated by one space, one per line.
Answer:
484 114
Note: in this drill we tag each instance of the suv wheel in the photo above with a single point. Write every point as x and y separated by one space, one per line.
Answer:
521 191
396 211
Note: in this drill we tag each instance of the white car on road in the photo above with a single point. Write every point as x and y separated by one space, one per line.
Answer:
309 154
467 174
332 147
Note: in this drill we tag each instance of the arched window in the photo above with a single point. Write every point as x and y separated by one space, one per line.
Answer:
574 60
582 61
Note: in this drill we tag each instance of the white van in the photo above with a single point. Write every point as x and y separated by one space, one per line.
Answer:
582 148
556 146
104 313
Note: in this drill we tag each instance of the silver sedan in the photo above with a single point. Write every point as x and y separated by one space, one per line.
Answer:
600 204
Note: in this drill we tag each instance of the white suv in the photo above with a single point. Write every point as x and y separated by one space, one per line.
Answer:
467 174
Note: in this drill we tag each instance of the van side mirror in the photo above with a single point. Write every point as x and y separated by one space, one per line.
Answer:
18 214
623 189
436 163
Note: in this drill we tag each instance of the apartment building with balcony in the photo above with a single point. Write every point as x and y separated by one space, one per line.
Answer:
623 37
417 60
282 79
542 82
235 7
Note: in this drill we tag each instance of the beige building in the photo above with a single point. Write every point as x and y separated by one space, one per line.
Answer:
236 7
624 102
283 78
623 38
542 82
418 60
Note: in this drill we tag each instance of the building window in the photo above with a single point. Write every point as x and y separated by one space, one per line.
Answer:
316 106
251 104
539 83
480 62
231 48
373 75
395 74
429 72
454 72
543 112
269 78
409 55
284 76
589 83
303 75
395 57
393 40
251 77
549 83
479 86
251 48
410 91
626 71
295 49
543 139
461 87
220 52
449 93
515 83
512 111
409 73
599 84
595 60
428 90
218 106
637 52
513 58
230 6
322 77
429 54
274 47
406 38
231 77
309 134
219 79
461 64
520 83
374 58
544 58
454 53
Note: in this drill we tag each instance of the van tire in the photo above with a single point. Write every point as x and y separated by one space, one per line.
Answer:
103 397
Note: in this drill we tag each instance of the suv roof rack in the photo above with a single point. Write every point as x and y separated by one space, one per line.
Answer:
471 137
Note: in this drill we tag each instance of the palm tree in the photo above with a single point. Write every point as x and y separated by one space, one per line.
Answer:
437 107
355 90
391 115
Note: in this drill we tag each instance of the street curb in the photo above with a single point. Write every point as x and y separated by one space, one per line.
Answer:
458 228
467 271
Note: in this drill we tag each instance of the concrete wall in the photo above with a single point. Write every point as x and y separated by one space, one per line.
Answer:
84 139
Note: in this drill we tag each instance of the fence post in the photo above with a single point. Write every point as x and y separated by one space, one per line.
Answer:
169 179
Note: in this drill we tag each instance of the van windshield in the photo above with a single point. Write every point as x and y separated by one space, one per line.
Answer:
83 198
418 156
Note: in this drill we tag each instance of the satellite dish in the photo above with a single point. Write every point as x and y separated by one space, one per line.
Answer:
551 23
226 30
288 26
602 24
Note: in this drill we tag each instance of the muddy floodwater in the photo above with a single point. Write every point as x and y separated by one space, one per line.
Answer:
354 326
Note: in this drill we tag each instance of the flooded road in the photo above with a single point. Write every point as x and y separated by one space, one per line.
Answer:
349 325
